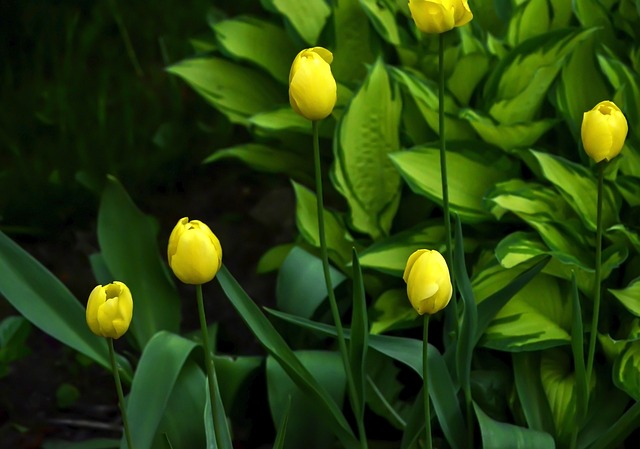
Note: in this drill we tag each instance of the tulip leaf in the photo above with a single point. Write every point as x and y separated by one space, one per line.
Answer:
236 91
519 83
507 136
306 423
278 348
629 189
47 303
258 41
369 130
470 178
129 247
425 94
359 338
531 394
232 374
339 242
619 428
392 311
384 390
156 393
499 435
629 297
579 188
307 18
301 287
577 349
282 428
408 351
390 254
264 158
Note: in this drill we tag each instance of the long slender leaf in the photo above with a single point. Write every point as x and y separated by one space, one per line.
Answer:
499 435
359 337
409 351
282 428
577 347
278 348
154 380
129 248
415 424
533 399
47 303
469 323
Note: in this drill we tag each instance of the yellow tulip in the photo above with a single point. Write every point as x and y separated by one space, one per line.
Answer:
312 88
428 281
109 310
604 129
194 252
438 16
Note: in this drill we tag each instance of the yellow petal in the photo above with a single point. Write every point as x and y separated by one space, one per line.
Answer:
312 88
96 299
196 260
433 16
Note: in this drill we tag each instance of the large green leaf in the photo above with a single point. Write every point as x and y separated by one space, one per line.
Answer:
530 19
236 91
301 287
538 316
47 303
307 18
629 296
353 42
278 348
383 17
390 255
265 158
339 241
392 311
257 41
425 94
499 435
469 176
578 186
626 372
158 371
519 84
509 137
559 384
468 71
306 427
96 443
367 133
129 247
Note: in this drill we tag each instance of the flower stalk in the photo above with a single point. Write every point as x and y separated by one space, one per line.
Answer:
121 403
425 379
332 299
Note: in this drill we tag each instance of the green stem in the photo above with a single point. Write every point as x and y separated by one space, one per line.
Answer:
443 174
596 295
353 398
425 379
116 378
211 371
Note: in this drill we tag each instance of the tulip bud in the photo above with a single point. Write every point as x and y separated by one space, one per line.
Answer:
428 281
312 88
438 16
194 252
604 129
109 310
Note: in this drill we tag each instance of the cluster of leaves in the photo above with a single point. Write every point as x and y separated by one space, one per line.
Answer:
519 78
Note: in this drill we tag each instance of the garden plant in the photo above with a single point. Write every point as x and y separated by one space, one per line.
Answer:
466 267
